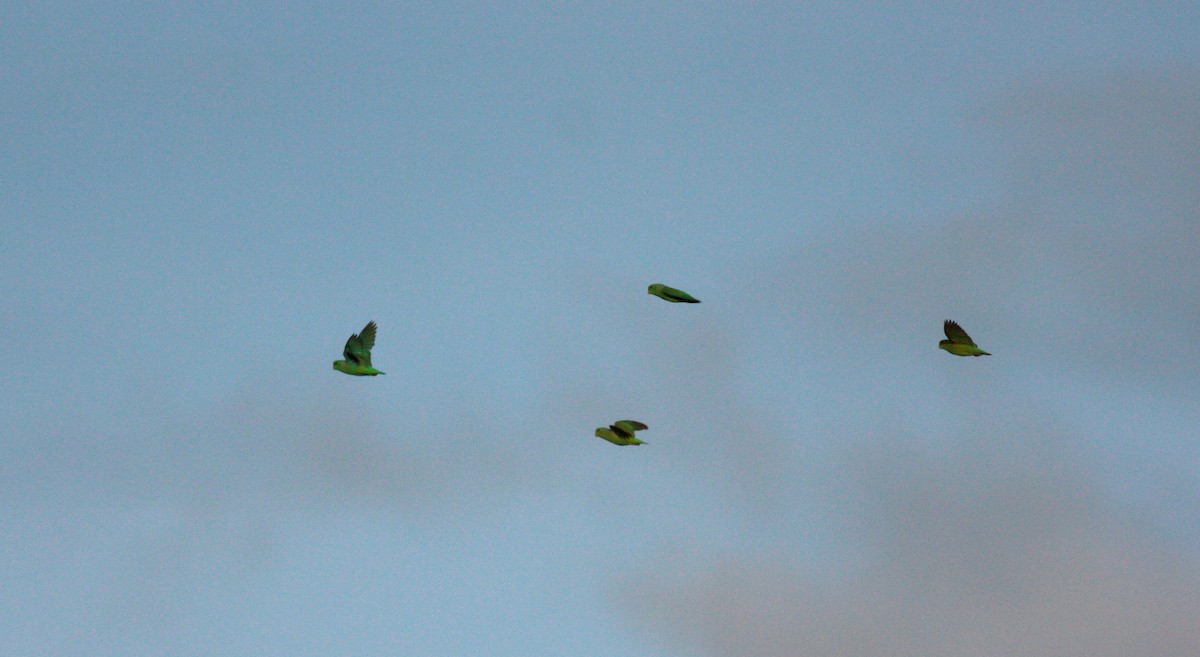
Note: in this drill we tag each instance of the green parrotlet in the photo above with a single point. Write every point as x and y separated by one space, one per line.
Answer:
358 353
671 294
621 432
958 342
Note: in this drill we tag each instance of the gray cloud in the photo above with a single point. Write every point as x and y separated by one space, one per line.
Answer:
1001 547
274 450
207 504
1093 258
989 534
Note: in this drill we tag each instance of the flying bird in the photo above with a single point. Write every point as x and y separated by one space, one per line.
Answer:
671 294
958 342
621 432
358 353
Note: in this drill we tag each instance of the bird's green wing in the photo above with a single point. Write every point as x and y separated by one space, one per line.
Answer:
358 347
628 426
351 349
681 295
618 430
956 334
609 435
671 294
617 437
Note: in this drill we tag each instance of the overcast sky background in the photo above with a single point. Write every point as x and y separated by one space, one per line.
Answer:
200 204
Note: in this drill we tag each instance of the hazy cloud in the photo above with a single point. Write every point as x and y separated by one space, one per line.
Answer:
1093 256
990 536
997 548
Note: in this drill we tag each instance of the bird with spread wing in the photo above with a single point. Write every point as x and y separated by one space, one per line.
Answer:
358 353
621 432
958 342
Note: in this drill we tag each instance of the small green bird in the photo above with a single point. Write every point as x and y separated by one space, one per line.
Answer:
671 294
358 353
959 343
621 433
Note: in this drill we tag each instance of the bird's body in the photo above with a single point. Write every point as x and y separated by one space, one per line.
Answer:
621 432
958 342
671 294
358 353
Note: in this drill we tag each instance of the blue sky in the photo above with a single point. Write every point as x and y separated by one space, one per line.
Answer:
201 203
